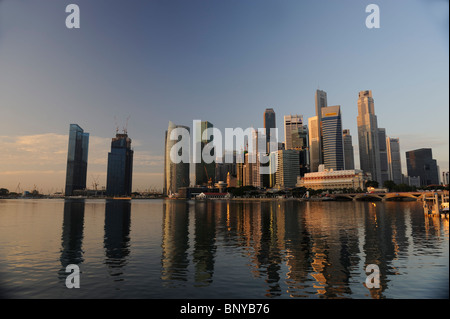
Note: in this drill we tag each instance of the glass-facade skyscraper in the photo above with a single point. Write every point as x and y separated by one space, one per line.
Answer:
420 162
314 144
120 167
176 175
321 102
332 143
77 156
349 158
384 165
394 160
269 122
204 172
296 138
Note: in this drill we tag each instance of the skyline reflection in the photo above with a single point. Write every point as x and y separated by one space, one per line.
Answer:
307 248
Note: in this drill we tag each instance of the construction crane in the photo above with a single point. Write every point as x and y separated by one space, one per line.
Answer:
125 129
207 177
18 189
95 182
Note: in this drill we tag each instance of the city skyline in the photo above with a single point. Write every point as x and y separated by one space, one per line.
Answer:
408 78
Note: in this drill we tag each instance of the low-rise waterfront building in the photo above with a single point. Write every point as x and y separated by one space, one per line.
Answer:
331 179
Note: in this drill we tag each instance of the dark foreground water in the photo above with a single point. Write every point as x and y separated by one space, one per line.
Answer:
219 249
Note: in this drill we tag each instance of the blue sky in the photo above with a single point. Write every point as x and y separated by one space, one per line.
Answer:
221 61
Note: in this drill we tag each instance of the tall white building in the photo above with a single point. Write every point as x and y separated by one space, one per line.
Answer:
369 148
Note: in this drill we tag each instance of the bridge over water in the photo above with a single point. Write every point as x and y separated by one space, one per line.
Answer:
381 196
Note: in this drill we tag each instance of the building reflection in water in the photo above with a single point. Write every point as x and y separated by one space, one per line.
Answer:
175 242
303 249
72 235
204 242
117 236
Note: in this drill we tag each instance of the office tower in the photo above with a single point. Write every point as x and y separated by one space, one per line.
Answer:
120 166
321 102
349 159
204 172
420 163
269 122
296 138
77 156
332 143
314 144
384 167
315 132
394 160
445 178
176 175
295 133
369 148
288 169
251 169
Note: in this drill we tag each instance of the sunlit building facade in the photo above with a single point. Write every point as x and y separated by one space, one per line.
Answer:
176 175
394 160
330 179
369 148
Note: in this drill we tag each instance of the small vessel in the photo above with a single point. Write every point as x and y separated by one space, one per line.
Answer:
436 205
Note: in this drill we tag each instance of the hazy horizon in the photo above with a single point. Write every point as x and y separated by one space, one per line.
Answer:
224 62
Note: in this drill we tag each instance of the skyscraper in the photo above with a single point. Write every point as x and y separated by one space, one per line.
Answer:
332 143
314 144
369 148
296 138
204 172
288 169
77 156
321 102
269 122
120 166
384 167
394 160
420 163
349 158
176 175
315 132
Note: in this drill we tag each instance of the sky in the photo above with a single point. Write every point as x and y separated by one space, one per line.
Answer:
155 61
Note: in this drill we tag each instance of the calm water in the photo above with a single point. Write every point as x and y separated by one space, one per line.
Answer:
220 249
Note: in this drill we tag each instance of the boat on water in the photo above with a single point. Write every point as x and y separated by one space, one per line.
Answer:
436 205
122 198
